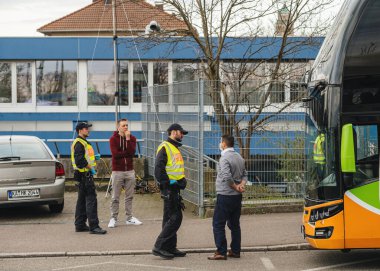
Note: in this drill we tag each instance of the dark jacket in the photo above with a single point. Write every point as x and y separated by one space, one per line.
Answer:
79 154
160 168
123 151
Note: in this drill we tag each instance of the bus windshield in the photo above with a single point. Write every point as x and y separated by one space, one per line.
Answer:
322 184
321 173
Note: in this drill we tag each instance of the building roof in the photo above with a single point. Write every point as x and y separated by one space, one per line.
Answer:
86 48
132 18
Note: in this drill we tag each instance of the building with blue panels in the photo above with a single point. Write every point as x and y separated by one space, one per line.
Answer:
48 84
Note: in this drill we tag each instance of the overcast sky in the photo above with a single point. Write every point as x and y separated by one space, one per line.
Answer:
24 17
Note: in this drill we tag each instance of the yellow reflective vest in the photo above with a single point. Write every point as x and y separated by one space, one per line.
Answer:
318 151
89 154
174 166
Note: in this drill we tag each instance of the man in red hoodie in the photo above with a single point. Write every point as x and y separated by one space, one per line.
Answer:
123 147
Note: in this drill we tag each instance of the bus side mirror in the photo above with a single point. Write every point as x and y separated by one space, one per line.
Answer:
347 150
314 90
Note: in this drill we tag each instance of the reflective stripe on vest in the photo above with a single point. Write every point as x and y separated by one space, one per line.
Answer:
319 155
89 154
174 166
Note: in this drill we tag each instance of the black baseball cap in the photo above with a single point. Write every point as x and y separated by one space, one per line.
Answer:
176 126
82 125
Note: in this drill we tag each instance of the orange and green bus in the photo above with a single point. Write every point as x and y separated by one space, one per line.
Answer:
342 199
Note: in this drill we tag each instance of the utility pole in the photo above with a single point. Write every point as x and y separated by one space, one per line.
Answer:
116 66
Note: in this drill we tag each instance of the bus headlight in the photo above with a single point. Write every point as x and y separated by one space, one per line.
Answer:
323 233
325 212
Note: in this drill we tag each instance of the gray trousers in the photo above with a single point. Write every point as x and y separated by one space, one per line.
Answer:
126 180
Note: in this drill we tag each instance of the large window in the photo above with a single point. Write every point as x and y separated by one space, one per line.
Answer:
160 73
161 78
140 78
321 165
362 63
5 83
184 72
56 83
362 57
24 82
243 82
123 83
277 92
296 92
321 170
101 82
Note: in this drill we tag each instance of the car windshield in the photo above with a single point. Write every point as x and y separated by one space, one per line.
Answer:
23 151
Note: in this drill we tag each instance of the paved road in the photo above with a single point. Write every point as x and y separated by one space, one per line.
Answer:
292 261
26 232
32 230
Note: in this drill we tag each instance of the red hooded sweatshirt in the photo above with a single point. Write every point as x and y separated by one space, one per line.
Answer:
122 151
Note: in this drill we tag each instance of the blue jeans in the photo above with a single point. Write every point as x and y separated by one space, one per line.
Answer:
227 210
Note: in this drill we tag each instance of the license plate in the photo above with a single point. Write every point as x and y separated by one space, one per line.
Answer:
23 194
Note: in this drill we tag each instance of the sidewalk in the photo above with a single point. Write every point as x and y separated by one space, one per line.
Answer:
29 232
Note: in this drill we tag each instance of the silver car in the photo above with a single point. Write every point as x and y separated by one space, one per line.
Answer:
30 174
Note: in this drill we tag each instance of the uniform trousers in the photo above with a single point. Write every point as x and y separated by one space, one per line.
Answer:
87 204
172 219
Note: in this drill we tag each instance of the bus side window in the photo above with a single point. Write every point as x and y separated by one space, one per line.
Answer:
366 153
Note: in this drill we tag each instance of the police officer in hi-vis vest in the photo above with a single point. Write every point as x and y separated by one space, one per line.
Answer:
170 173
319 155
83 161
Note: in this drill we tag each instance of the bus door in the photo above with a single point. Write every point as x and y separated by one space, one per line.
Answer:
362 199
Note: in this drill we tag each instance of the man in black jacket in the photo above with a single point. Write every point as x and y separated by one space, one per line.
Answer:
169 172
83 160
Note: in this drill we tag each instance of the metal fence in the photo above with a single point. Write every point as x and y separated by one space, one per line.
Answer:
177 103
267 121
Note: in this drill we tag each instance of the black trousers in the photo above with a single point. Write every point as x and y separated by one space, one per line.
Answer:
227 210
87 204
172 219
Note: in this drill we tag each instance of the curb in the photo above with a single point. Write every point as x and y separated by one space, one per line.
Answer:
288 247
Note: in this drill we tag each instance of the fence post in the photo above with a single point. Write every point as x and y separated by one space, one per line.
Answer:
200 147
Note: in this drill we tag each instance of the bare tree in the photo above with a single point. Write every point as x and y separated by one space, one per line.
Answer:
212 23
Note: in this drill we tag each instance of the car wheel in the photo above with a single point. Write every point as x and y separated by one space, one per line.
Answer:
56 208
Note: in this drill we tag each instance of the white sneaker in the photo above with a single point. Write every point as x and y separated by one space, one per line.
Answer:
112 223
133 221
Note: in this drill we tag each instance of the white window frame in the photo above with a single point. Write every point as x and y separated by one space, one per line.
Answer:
14 106
103 108
169 105
82 99
58 109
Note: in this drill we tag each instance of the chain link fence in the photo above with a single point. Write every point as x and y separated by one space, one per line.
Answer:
266 119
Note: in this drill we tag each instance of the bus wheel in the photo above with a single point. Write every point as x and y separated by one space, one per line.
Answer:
346 250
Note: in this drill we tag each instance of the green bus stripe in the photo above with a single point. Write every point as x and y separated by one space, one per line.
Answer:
368 193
